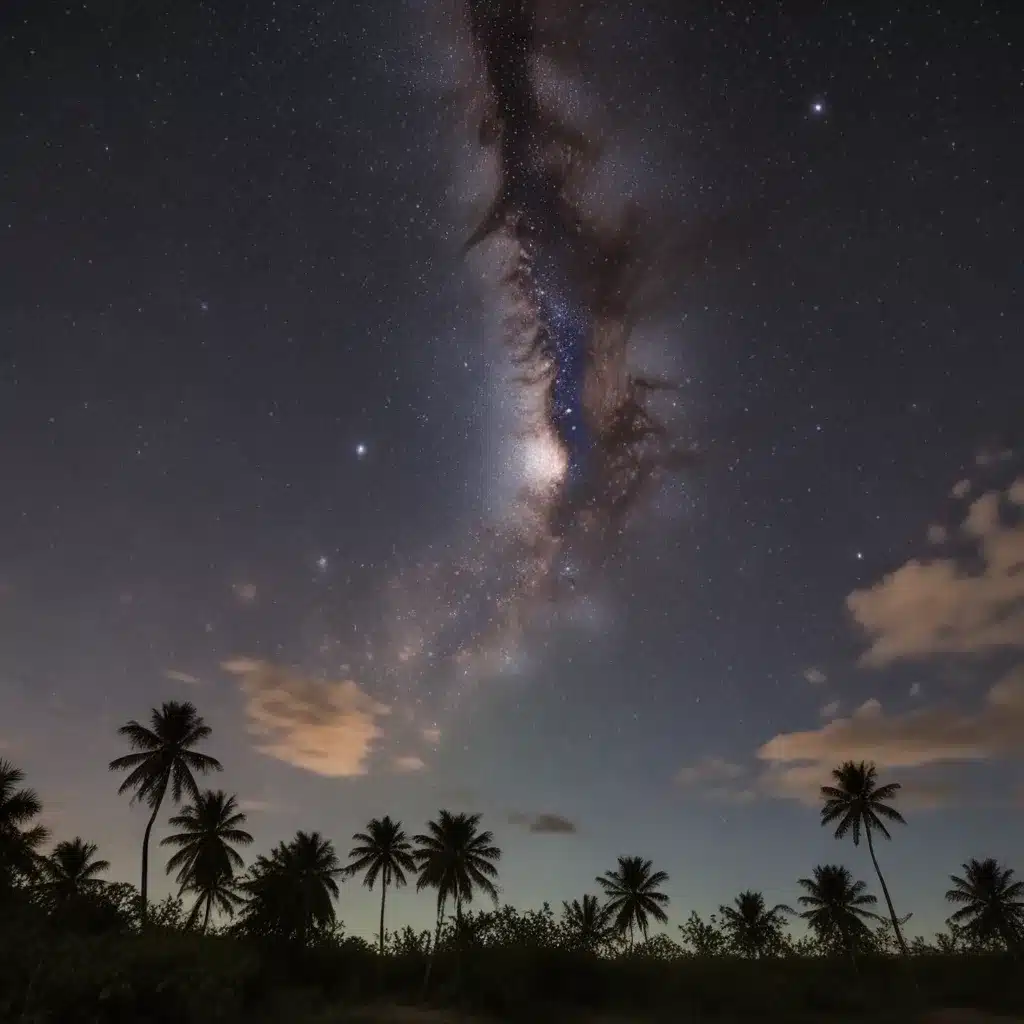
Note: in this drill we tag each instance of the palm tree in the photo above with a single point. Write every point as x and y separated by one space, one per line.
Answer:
586 923
19 838
858 802
163 756
993 904
632 895
291 892
382 851
70 871
455 858
836 906
753 928
206 860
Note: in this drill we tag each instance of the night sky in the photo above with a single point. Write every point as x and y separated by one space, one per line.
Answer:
254 431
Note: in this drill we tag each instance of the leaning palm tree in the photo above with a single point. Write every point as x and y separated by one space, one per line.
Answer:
836 907
752 927
993 903
163 757
20 839
632 895
586 923
857 803
456 859
70 872
290 893
383 851
206 860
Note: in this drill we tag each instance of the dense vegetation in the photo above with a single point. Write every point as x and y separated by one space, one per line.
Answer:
265 942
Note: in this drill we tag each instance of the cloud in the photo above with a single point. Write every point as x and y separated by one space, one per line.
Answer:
431 735
937 534
182 677
830 709
941 606
921 737
915 689
708 770
327 727
245 592
409 764
257 806
992 458
543 824
815 676
960 489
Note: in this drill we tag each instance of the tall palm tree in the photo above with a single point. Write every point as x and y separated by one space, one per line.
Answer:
163 757
291 892
632 895
70 871
751 926
836 906
457 859
382 851
206 860
857 803
19 838
586 923
993 903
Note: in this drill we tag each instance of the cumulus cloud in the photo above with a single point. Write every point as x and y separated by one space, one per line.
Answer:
328 727
815 676
182 677
830 710
937 534
943 606
914 739
960 489
548 824
245 591
408 764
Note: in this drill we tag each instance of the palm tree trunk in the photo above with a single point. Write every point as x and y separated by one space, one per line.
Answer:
437 939
888 898
144 887
206 916
383 897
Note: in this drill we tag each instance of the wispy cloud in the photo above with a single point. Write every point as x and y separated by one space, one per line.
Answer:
324 726
408 764
815 676
182 677
943 606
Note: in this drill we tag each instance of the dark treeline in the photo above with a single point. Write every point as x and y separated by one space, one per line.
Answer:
264 941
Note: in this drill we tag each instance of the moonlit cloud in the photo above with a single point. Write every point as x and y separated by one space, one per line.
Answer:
830 709
960 489
543 824
942 606
245 592
182 677
409 764
328 727
815 676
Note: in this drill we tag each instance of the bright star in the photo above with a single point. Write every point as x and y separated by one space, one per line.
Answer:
321 563
860 556
818 107
360 450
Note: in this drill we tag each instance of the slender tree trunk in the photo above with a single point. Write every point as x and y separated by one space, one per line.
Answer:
206 916
383 897
144 887
885 891
437 939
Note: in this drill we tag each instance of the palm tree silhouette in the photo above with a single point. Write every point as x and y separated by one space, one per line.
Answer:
163 756
455 858
632 895
70 871
836 906
752 927
206 860
586 923
993 903
291 891
857 802
19 838
382 851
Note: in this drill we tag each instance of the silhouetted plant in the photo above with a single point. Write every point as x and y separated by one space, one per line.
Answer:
70 871
206 860
836 908
383 851
20 839
632 896
857 803
703 939
587 924
993 903
290 893
455 859
163 758
752 928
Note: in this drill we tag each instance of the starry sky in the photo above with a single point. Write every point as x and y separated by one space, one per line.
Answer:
254 439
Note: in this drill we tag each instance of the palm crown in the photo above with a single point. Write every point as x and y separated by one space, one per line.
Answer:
992 902
857 802
837 905
632 895
457 859
751 925
586 922
71 870
19 838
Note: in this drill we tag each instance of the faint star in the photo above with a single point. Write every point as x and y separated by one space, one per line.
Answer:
860 556
204 306
321 563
